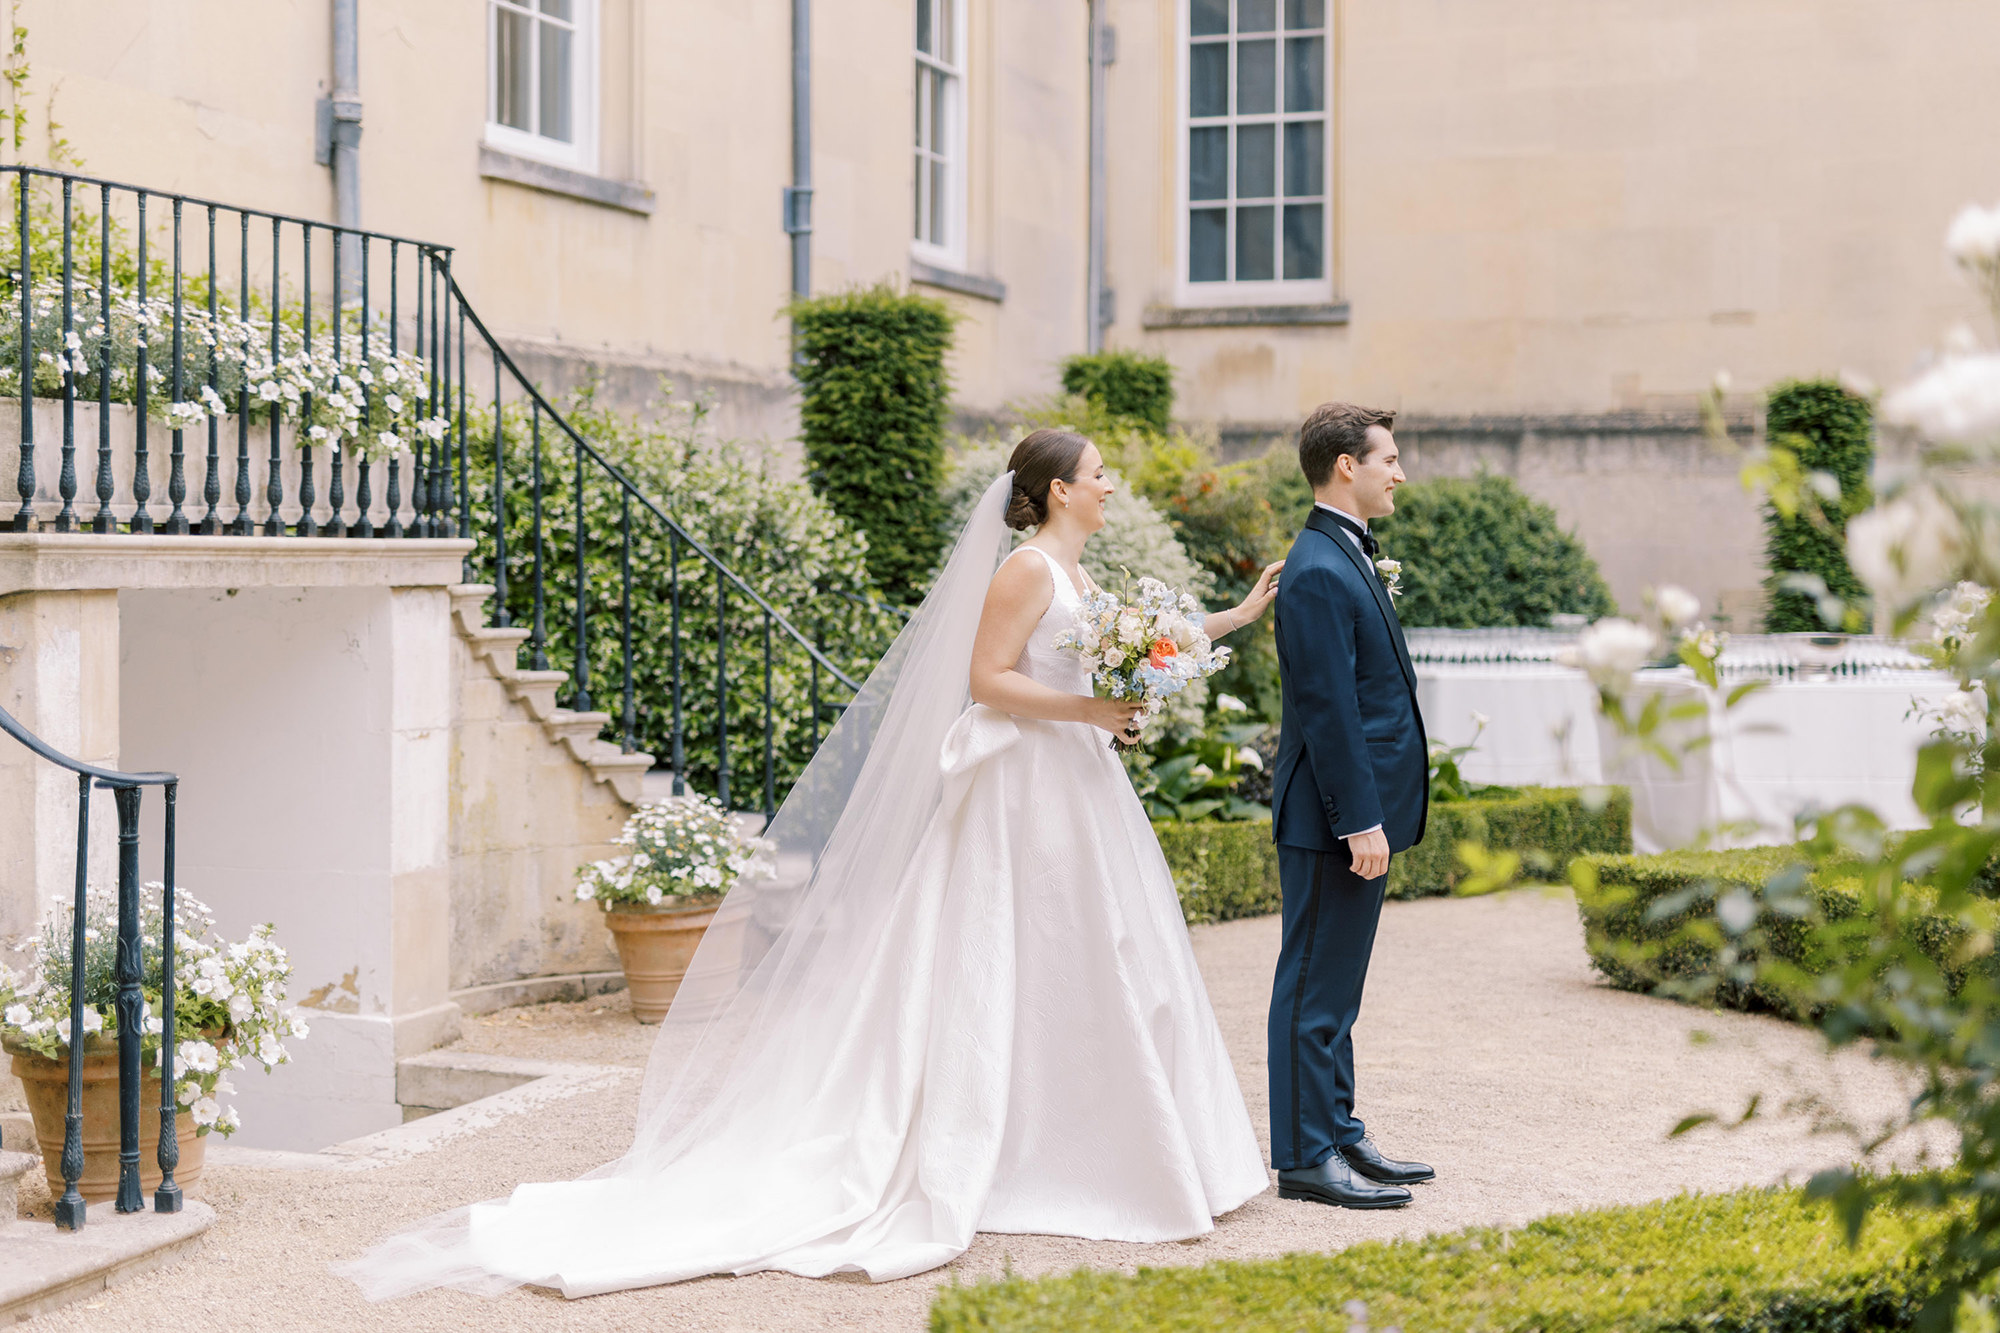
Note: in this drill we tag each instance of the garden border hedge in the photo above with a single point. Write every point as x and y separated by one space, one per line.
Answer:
1729 1263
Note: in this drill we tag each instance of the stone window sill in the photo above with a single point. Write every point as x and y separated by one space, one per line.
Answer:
965 284
633 197
1242 316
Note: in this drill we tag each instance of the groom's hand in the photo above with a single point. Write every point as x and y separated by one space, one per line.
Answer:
1370 853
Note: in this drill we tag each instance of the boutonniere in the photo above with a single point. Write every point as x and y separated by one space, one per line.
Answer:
1391 574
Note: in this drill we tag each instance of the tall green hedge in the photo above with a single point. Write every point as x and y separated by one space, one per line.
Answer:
1756 1261
1479 551
1123 384
875 396
1831 431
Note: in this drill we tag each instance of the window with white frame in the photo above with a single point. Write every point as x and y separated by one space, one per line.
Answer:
542 80
1256 218
940 130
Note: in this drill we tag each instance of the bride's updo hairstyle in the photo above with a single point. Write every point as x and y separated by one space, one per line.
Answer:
1041 457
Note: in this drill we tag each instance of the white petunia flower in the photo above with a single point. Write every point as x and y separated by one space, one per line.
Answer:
206 1110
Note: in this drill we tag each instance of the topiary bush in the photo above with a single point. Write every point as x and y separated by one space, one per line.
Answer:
1833 431
1479 551
1123 384
875 397
1223 869
1755 1261
1547 826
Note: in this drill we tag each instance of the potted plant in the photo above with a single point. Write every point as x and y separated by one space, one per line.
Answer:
228 1011
686 853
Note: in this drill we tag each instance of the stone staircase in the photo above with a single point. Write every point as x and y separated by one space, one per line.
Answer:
499 648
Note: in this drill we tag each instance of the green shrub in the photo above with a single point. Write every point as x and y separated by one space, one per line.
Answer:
1831 431
874 401
1479 551
1642 915
1546 826
1756 1261
1123 384
1223 870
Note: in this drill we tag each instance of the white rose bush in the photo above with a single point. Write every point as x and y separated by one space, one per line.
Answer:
229 998
685 851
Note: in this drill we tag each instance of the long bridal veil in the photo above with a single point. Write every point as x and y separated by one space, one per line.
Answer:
781 955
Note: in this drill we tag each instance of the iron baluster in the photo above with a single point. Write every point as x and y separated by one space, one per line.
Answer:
770 755
70 1207
722 689
243 527
274 485
66 482
177 477
629 714
167 1198
427 479
336 466
501 617
464 485
211 482
130 1002
307 525
679 735
24 477
581 701
395 524
142 473
364 526
103 521
538 659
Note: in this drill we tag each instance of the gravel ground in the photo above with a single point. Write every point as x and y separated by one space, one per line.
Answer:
1485 1047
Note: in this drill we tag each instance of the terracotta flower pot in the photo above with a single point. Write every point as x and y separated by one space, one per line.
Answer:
47 1085
655 945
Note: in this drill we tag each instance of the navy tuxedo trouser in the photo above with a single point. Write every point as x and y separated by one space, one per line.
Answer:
1330 915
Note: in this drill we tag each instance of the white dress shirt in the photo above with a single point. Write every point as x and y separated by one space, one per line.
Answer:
1361 523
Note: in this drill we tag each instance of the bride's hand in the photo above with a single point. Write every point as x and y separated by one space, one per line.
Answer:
1260 596
1120 717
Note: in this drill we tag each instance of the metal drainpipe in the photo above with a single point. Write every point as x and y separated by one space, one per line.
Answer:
1094 315
798 195
347 140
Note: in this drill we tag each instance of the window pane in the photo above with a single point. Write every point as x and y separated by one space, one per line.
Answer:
1305 73
1304 241
940 94
1208 245
1208 163
1256 15
1254 248
924 35
1305 13
558 9
557 44
922 172
922 100
946 47
1305 158
1208 18
1256 161
1256 78
939 234
1208 80
513 104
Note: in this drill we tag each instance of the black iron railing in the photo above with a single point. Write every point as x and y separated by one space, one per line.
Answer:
127 974
370 383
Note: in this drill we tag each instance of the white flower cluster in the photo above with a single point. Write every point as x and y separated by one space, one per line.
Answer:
1907 547
1611 651
228 997
1957 400
683 847
1952 617
1147 650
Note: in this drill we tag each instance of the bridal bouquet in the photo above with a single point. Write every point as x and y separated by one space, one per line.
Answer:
1147 649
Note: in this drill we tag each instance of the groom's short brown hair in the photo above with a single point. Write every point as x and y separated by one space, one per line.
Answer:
1334 429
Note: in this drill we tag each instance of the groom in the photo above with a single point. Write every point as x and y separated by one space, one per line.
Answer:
1351 785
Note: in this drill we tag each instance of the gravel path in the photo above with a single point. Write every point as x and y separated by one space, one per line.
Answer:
1485 1047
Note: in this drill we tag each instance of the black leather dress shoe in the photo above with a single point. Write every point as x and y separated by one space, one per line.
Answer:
1334 1182
1368 1160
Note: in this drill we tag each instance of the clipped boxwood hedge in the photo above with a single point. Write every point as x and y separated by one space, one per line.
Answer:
1226 870
1756 1261
1634 953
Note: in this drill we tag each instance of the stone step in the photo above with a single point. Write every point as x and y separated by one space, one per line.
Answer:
536 689
17 1132
444 1080
14 1165
46 1269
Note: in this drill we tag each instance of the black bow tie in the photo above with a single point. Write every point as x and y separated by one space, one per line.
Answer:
1369 546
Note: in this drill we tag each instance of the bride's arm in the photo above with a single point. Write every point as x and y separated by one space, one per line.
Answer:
1015 602
1219 623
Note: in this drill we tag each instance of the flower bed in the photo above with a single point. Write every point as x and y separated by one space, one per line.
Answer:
1753 1261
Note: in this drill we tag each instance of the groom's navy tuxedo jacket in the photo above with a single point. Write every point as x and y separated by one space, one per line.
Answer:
1351 746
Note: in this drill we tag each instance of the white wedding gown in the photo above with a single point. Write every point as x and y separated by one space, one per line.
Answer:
1026 1046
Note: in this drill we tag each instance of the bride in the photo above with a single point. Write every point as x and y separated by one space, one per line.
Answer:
965 1002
